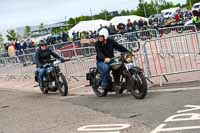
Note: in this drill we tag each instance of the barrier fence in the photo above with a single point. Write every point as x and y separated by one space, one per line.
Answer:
141 35
171 55
127 37
158 57
170 31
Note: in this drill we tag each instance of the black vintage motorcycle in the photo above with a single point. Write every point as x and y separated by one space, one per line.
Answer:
54 80
131 77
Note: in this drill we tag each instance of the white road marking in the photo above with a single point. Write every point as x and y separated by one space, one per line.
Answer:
175 89
161 128
180 118
192 108
105 128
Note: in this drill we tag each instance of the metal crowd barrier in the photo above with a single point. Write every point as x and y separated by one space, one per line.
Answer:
158 57
81 60
77 68
171 55
141 35
116 37
29 50
169 31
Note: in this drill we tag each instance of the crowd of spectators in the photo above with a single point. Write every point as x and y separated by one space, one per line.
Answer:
179 17
121 28
16 48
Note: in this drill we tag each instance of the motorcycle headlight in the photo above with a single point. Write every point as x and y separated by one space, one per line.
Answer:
129 58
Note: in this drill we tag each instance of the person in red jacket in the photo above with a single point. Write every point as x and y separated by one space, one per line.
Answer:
177 17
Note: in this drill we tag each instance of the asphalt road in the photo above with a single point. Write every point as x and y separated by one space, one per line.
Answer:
22 112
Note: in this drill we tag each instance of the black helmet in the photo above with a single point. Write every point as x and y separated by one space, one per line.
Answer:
42 43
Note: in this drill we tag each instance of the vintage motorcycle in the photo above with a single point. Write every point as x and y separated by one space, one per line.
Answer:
131 78
54 80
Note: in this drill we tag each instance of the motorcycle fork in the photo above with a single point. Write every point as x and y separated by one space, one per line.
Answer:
129 78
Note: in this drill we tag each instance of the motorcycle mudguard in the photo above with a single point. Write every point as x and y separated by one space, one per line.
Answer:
130 80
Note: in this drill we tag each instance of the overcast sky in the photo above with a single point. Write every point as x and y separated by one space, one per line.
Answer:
16 13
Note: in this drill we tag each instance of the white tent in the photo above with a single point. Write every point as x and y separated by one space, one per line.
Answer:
124 19
88 26
170 10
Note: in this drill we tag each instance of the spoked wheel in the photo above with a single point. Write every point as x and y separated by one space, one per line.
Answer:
96 88
62 85
139 90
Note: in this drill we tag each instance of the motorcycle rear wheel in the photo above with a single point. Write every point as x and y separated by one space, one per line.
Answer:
97 90
44 90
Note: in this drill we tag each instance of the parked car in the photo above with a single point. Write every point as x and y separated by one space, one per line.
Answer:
196 6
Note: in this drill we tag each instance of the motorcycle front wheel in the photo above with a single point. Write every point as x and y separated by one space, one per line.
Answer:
63 85
139 90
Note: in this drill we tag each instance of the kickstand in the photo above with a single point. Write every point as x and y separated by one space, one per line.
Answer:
149 81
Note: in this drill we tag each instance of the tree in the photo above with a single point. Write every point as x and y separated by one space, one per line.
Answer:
152 7
71 22
11 35
189 3
1 40
27 31
125 13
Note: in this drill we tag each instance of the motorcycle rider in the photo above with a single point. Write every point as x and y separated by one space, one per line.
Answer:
43 56
196 18
105 51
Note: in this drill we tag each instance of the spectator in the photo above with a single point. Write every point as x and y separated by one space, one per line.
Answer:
140 24
145 24
129 26
111 29
135 24
18 46
24 45
196 19
121 28
75 35
177 17
29 43
11 50
95 34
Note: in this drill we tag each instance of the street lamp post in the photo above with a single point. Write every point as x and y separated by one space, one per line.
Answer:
145 13
91 14
156 1
105 14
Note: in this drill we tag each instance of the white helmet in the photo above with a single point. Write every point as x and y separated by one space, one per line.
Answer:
104 32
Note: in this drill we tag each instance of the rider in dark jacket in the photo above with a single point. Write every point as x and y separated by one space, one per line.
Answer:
43 56
105 52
